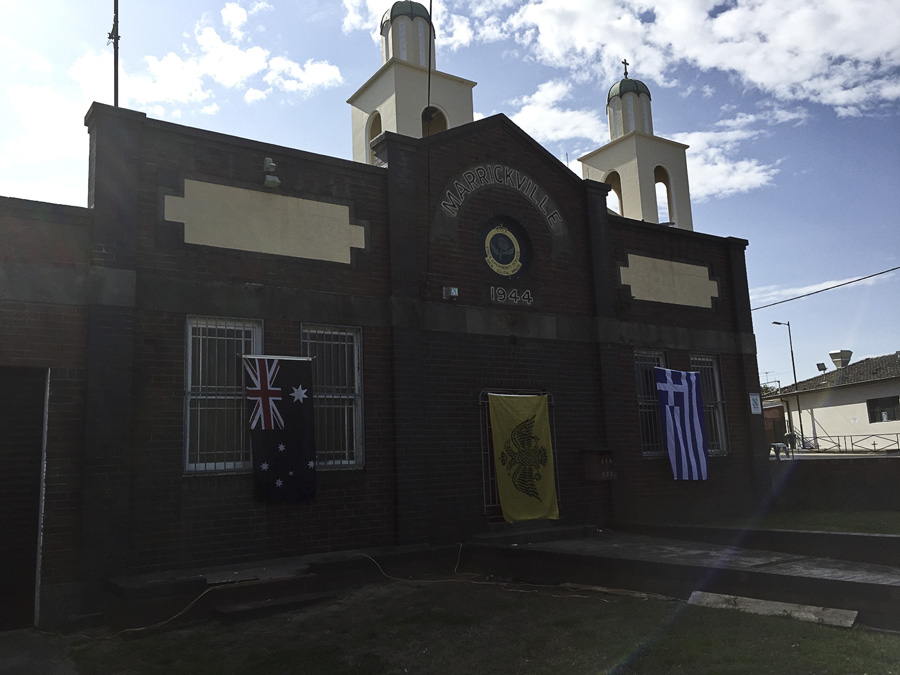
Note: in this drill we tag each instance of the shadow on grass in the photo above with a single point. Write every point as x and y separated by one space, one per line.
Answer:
458 628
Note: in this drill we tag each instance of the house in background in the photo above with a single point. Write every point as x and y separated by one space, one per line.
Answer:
854 407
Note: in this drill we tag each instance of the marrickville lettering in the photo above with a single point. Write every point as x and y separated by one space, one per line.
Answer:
499 175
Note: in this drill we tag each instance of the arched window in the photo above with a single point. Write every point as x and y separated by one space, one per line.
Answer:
433 121
374 132
614 197
665 206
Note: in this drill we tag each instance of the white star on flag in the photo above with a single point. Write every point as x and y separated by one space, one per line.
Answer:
281 447
265 466
279 483
311 464
299 394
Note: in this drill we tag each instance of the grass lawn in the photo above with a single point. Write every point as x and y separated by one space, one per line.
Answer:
461 628
869 522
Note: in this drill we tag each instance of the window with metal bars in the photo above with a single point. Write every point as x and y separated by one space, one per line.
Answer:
645 360
713 401
886 409
337 392
215 419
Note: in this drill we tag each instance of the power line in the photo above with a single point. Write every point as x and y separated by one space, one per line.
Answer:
822 290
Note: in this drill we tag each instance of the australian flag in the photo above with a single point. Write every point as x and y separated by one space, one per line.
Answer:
282 440
681 414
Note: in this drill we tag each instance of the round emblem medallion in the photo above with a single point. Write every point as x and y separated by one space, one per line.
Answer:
502 251
506 246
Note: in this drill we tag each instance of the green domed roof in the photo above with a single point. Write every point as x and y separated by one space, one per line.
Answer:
406 8
625 86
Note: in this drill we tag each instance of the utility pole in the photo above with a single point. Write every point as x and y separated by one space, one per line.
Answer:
794 366
114 38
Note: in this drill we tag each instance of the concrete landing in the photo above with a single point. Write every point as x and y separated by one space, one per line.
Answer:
678 568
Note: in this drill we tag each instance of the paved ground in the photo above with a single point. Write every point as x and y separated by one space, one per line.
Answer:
695 554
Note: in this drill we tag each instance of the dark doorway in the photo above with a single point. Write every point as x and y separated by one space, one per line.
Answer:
22 397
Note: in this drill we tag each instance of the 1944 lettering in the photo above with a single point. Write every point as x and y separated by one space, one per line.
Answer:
511 296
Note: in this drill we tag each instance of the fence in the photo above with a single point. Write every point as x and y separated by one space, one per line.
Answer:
854 443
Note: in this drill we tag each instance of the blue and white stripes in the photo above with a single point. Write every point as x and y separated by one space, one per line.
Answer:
681 414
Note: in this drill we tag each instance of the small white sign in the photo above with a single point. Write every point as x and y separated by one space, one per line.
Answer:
755 404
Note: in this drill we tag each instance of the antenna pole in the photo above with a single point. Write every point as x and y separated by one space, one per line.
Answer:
114 38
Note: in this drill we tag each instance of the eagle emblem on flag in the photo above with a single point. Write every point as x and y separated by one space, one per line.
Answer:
263 393
524 457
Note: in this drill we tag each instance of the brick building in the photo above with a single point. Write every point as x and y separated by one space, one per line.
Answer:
122 324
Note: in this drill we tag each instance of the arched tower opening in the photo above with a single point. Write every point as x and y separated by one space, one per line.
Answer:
375 130
433 121
665 205
614 197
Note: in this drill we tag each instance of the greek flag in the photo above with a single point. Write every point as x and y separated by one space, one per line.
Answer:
681 413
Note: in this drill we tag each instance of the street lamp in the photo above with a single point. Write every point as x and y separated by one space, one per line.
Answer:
794 366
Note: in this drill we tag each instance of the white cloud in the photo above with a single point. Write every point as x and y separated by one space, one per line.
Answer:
311 76
169 79
15 58
764 295
228 64
715 170
260 7
843 55
234 17
458 32
253 95
541 116
210 109
50 125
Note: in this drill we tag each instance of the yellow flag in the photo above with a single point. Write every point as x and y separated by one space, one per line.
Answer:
523 457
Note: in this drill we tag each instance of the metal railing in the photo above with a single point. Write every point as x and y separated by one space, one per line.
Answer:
854 443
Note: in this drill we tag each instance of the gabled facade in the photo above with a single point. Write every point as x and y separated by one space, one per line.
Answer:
133 313
440 268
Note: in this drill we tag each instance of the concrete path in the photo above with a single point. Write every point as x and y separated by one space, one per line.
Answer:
695 554
677 568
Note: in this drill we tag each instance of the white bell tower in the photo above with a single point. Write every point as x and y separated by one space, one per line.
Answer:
396 97
635 161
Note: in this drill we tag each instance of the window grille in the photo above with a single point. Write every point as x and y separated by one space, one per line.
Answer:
488 466
645 360
713 401
886 409
337 391
216 437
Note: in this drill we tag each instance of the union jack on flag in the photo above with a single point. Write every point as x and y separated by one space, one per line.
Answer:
263 392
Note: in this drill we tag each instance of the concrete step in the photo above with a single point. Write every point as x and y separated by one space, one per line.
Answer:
530 532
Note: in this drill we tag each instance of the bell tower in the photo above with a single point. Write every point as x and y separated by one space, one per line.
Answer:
396 97
635 160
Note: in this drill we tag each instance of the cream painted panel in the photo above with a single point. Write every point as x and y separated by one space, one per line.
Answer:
247 220
671 282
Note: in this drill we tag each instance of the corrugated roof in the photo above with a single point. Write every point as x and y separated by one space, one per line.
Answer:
868 370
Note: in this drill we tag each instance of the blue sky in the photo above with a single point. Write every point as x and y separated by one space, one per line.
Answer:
791 109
